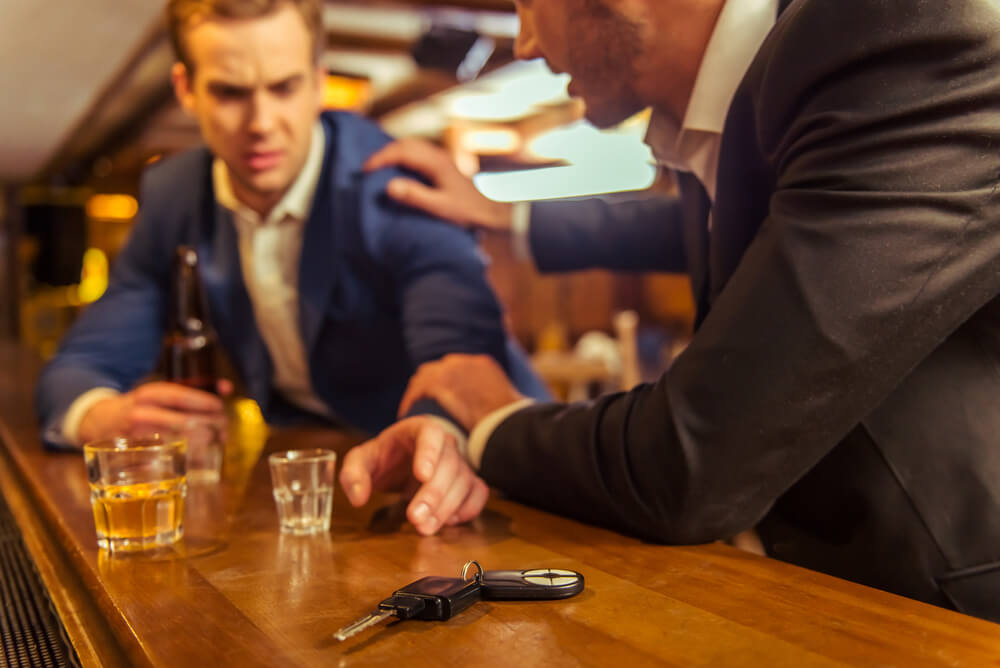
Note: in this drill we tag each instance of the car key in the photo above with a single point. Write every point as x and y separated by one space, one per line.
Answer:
531 584
439 598
432 598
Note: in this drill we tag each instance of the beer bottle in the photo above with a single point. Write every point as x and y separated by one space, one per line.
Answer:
189 345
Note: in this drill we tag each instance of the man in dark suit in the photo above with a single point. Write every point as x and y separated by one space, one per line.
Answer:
841 231
325 294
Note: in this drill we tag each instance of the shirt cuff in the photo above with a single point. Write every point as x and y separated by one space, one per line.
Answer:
481 433
78 409
520 224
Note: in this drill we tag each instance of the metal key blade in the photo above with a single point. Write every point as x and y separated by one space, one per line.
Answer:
369 620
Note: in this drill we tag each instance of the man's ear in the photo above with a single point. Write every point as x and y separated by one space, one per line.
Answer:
182 87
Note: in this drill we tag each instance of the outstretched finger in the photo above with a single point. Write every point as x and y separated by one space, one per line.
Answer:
430 444
473 504
360 464
435 498
374 462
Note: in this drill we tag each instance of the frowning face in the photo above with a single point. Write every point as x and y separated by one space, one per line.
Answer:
591 41
256 93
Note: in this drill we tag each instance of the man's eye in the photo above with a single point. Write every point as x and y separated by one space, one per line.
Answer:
284 88
229 92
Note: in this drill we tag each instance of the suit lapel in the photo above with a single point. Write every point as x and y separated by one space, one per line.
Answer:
714 254
229 303
318 266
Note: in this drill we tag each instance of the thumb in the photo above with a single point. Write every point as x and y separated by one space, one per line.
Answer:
430 445
356 474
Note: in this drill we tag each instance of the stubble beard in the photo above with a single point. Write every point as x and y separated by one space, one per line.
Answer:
606 55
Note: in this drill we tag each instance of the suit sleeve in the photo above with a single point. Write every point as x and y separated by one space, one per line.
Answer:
881 240
639 235
115 341
447 305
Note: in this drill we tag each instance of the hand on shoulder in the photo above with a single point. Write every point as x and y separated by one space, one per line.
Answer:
451 195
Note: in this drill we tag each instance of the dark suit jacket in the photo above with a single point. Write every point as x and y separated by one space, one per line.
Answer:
382 290
841 391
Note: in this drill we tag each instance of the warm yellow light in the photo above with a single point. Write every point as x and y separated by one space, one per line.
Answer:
112 207
341 92
94 277
495 141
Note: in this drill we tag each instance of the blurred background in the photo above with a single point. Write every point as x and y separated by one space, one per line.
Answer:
85 105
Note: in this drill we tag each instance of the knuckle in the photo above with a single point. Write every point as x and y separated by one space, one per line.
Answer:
431 495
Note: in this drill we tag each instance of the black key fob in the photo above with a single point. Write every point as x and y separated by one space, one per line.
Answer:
441 597
533 584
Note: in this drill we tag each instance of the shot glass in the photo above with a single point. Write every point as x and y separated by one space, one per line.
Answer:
204 453
302 482
137 489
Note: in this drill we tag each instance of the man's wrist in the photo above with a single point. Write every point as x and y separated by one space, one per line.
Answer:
481 433
78 410
449 427
499 217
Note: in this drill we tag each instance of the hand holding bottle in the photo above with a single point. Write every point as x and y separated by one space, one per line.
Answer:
189 400
155 408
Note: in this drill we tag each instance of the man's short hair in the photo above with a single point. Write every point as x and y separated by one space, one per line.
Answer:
182 14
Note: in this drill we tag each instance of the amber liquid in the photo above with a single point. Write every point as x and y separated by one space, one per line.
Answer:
189 344
138 516
190 361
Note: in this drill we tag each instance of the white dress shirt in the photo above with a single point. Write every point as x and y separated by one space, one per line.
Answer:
270 248
693 146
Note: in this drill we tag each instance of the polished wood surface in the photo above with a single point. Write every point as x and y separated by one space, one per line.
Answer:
237 592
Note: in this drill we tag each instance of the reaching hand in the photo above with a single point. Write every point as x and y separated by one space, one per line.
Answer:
155 408
469 387
451 195
416 448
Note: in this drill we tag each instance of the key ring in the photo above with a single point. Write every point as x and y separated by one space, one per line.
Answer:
479 570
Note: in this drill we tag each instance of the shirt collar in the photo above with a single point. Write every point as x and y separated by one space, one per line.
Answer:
738 34
297 200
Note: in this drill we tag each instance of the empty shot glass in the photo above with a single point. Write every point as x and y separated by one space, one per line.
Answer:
205 452
137 489
302 482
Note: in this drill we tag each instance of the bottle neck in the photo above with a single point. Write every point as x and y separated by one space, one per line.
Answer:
186 313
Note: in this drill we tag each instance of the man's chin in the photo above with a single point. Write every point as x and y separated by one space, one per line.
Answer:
265 183
257 189
604 115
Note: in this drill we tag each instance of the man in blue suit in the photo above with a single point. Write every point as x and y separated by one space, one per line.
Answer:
325 294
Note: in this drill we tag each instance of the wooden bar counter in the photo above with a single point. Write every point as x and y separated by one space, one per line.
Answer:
238 593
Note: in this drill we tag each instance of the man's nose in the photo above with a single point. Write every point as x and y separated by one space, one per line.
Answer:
262 113
526 44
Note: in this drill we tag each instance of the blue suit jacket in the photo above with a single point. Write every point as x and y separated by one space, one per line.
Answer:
382 290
